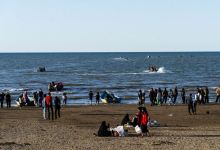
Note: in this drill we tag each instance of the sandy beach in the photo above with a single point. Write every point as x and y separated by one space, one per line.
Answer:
26 129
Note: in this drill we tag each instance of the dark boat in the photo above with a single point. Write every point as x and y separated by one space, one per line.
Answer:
41 69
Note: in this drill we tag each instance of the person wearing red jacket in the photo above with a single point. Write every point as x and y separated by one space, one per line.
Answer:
139 115
49 105
144 121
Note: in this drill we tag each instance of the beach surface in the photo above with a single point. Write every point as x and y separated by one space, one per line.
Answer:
26 129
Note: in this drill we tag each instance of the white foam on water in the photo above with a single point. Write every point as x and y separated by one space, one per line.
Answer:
11 90
160 70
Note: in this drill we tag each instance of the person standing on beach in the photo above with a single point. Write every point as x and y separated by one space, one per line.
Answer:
40 96
97 98
175 94
57 107
139 97
49 105
2 97
165 94
202 95
64 97
183 95
151 95
143 98
206 95
35 96
159 97
171 97
44 105
90 97
218 94
8 100
190 103
144 121
155 96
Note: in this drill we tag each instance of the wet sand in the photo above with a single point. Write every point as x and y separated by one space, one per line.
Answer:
26 128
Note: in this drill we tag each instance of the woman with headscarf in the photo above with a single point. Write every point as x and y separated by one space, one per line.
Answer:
125 120
143 97
139 115
139 97
144 121
103 130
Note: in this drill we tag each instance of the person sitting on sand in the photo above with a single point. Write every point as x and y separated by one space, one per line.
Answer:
103 130
144 121
125 120
190 103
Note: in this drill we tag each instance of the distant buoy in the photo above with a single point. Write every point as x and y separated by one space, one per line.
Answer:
148 56
180 56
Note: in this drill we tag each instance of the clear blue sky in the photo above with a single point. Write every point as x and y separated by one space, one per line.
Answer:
109 25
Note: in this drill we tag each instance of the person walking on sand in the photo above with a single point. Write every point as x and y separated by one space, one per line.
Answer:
159 97
144 121
151 95
206 95
44 105
183 95
143 98
2 97
190 103
57 107
64 97
90 97
97 98
218 94
175 94
8 100
139 97
20 101
165 94
49 105
40 96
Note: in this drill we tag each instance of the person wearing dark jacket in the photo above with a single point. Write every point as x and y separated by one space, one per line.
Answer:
97 97
139 97
90 97
57 107
183 95
103 130
206 95
175 94
151 95
125 120
2 97
190 103
165 94
8 100
155 96
202 96
40 96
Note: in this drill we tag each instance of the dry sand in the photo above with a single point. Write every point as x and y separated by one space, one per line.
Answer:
26 128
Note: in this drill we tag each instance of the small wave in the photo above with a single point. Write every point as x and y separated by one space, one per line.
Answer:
11 90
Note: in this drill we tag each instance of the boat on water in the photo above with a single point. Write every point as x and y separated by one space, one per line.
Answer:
112 98
153 69
41 69
55 87
29 102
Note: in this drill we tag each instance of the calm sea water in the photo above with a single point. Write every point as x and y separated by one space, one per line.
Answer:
82 72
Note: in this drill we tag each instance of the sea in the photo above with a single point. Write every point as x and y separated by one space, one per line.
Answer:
84 72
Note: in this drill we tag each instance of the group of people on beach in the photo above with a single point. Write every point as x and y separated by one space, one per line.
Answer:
140 121
6 96
158 97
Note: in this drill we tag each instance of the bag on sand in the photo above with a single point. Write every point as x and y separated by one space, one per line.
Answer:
138 129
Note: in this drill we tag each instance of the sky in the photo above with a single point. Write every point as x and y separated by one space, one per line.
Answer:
109 25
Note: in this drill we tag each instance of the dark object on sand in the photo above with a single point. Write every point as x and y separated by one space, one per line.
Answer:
125 120
207 112
103 130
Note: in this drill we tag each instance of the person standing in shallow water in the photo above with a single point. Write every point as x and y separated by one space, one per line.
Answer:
218 94
183 95
90 97
64 98
175 94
